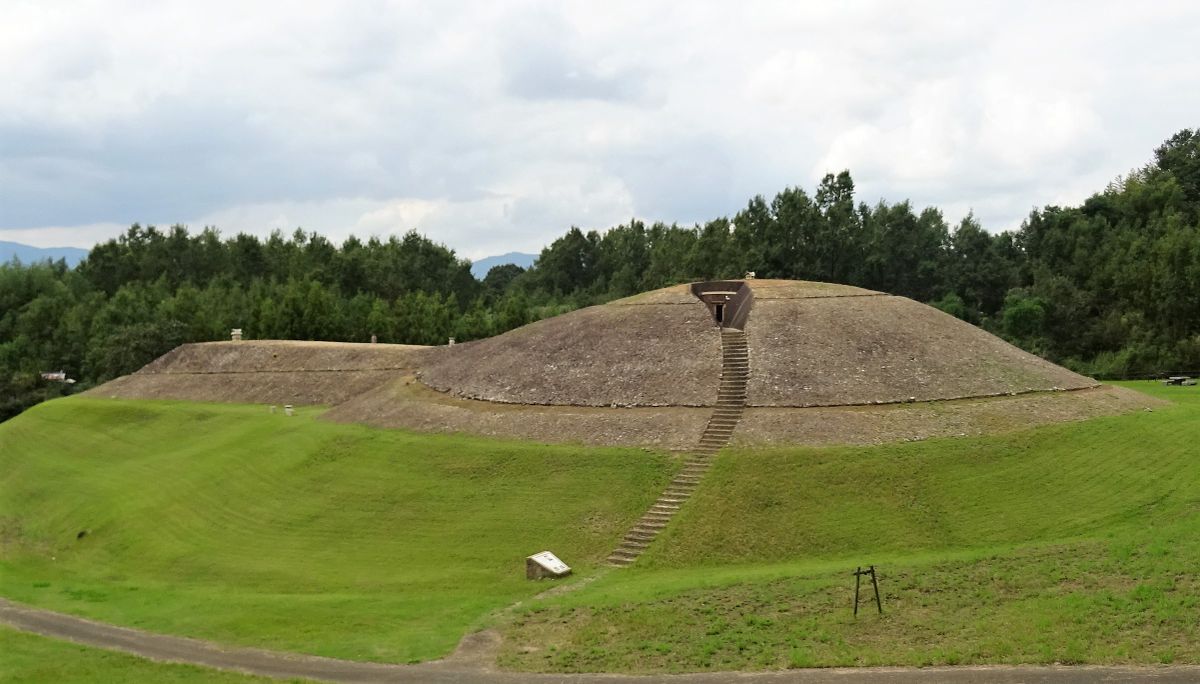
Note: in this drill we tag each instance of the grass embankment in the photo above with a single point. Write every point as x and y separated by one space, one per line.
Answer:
1070 543
36 660
232 524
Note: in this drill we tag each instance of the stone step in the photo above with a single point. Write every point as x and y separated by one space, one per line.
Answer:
652 523
671 501
632 544
664 506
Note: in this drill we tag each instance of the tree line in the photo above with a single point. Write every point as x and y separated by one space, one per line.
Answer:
1109 288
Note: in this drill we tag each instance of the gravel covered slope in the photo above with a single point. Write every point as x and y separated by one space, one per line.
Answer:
652 354
829 351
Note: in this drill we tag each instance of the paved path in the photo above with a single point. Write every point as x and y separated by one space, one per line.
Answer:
468 667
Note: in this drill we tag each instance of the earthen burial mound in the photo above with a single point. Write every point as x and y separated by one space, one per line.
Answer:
828 364
810 344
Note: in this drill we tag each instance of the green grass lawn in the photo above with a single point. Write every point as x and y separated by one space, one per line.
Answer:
36 660
232 524
1070 543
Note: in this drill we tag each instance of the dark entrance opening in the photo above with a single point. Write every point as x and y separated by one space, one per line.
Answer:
728 301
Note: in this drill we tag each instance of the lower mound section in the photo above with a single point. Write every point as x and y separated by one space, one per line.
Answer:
408 404
908 422
267 387
266 371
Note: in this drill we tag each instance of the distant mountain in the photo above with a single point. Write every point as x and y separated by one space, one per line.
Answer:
29 255
480 268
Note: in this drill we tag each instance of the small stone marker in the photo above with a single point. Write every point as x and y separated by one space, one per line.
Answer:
545 564
236 333
287 409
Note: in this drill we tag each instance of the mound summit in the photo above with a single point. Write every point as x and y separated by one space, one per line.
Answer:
827 364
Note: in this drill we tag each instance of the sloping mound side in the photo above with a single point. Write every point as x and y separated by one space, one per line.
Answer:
267 371
656 354
280 355
846 350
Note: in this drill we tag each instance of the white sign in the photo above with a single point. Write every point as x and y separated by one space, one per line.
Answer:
550 563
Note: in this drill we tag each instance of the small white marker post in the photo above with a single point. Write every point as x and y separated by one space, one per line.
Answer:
545 564
287 409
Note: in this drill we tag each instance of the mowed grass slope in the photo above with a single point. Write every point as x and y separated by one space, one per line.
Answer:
233 524
31 659
1068 543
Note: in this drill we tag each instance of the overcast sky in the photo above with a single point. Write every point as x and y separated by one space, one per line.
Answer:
496 126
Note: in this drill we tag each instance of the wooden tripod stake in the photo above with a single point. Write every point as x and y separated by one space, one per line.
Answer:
858 574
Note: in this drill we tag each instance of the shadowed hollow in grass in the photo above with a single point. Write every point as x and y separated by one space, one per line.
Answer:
229 523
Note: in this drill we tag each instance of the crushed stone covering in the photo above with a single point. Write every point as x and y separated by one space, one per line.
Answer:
846 350
265 371
656 354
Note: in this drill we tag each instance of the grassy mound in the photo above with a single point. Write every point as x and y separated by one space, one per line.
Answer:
1064 543
230 523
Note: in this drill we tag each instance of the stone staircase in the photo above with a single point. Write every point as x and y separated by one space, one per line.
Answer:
731 401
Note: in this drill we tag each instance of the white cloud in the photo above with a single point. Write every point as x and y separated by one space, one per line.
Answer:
495 126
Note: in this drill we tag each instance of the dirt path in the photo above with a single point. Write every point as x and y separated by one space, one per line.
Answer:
470 664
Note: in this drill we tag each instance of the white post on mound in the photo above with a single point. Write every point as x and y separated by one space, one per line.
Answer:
236 334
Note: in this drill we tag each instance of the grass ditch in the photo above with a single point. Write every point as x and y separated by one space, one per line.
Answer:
229 523
1060 544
